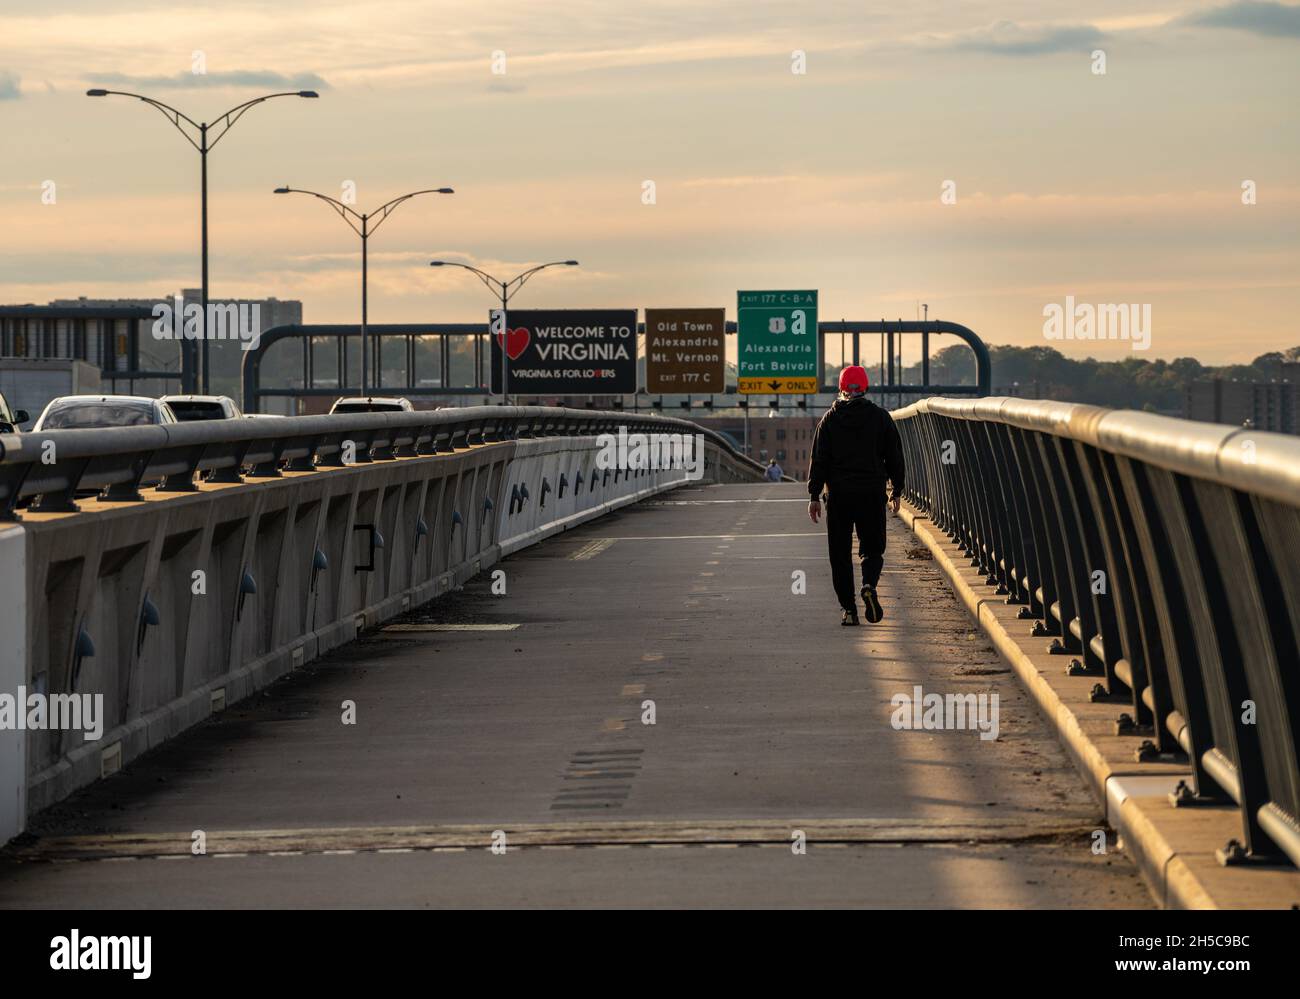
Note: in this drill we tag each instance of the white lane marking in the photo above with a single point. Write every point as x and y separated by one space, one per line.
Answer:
714 537
450 627
703 502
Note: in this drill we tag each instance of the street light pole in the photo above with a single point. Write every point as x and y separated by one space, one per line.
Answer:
505 335
228 119
365 304
203 294
364 231
507 289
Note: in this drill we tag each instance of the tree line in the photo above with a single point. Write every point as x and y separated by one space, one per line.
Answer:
1131 383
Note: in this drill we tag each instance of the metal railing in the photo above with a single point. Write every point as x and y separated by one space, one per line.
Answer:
48 470
1161 555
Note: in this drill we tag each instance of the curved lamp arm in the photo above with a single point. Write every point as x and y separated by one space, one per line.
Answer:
504 288
174 116
496 285
369 222
168 112
383 210
343 210
229 118
519 280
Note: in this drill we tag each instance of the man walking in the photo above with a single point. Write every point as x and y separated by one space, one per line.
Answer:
855 448
773 472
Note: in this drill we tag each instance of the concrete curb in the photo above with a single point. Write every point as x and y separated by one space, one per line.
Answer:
1172 847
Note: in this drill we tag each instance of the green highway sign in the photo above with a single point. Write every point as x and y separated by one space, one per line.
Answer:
777 343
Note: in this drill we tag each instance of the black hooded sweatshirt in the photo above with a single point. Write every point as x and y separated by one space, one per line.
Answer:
855 448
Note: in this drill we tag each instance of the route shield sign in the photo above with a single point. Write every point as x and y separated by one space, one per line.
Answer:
685 351
777 349
566 351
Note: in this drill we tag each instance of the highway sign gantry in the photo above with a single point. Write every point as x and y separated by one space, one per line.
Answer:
776 351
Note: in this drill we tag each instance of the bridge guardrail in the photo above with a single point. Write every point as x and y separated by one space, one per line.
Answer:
51 467
1160 555
170 602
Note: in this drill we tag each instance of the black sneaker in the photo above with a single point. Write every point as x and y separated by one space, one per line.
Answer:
850 618
873 609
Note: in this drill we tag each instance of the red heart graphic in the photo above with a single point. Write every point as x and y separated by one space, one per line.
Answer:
516 341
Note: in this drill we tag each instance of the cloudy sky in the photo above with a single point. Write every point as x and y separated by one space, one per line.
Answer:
1115 187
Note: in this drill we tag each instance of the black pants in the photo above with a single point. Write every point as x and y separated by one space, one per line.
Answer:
846 513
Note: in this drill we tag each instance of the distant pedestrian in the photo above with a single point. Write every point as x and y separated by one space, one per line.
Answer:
774 472
855 448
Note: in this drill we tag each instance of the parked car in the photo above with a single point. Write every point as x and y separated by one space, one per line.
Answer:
83 412
11 418
372 404
264 416
203 407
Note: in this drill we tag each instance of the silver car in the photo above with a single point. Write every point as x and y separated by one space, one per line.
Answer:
202 407
372 404
89 412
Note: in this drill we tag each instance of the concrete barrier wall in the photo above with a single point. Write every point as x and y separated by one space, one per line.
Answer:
13 673
176 605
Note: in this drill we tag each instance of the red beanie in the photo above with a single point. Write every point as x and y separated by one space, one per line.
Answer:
854 376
